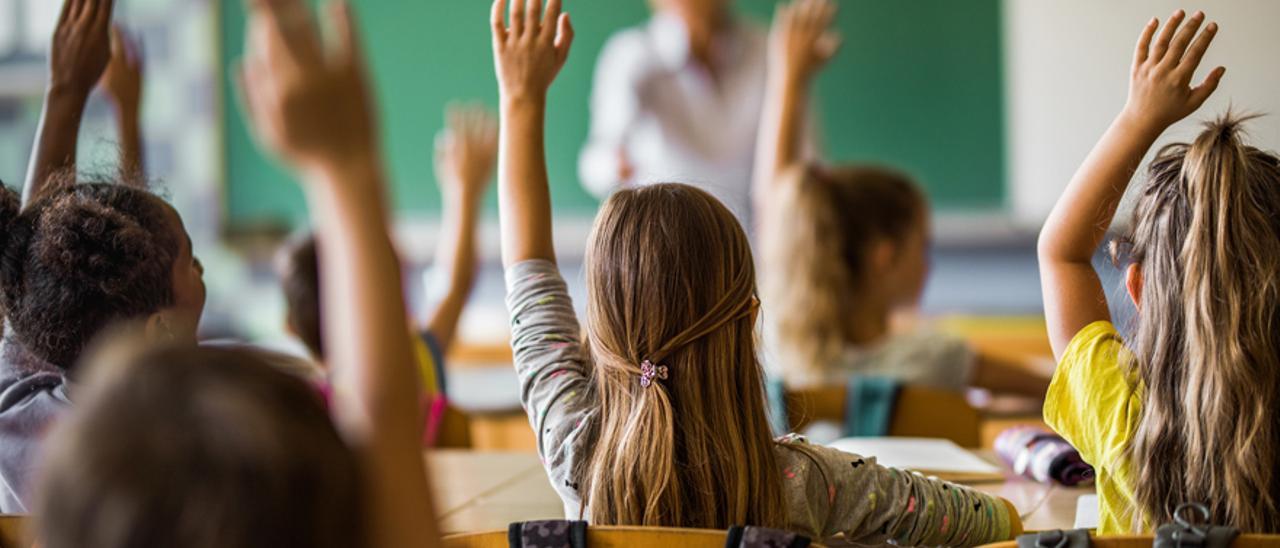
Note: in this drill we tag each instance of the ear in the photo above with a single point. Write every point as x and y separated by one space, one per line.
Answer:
883 254
158 328
1133 282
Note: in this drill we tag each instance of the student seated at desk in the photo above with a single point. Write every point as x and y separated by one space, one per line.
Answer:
177 445
658 418
844 248
465 155
79 256
1184 411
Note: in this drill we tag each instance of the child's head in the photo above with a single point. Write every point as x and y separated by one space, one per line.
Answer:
1206 280
90 255
197 447
670 281
845 240
299 272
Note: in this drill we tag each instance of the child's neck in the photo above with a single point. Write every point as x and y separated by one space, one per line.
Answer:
868 324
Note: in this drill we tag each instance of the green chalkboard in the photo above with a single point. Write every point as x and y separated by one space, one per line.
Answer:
917 85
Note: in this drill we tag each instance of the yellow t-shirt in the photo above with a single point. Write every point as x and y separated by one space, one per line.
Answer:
1095 404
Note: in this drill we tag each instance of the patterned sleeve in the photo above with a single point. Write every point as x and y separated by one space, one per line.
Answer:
550 363
868 503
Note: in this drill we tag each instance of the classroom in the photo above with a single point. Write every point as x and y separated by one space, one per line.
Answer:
683 273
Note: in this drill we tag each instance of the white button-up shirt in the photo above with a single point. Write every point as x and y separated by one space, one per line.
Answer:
675 122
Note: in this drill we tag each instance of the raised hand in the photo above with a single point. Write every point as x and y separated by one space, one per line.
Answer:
801 40
308 102
122 80
466 153
1160 91
81 45
530 49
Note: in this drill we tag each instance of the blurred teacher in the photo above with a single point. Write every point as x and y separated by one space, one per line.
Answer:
678 99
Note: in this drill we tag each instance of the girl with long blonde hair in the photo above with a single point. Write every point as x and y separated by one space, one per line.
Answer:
658 417
1185 410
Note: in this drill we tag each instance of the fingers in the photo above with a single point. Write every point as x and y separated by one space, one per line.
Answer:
244 97
533 16
1178 46
828 45
1170 27
1198 48
551 19
102 13
70 12
564 38
1201 93
348 33
495 20
289 25
515 21
1144 42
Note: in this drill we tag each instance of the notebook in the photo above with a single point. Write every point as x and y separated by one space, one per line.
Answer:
1087 512
931 457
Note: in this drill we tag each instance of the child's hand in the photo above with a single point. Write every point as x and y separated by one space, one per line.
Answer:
466 152
81 46
123 77
307 102
801 40
1159 87
530 50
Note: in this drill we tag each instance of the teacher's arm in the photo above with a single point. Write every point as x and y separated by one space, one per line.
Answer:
605 163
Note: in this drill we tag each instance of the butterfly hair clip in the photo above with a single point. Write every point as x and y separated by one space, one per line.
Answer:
649 372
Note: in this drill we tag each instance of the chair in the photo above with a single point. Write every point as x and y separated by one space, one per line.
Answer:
599 536
13 531
920 412
1145 541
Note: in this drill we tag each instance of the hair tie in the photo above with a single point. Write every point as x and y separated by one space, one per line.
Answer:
648 372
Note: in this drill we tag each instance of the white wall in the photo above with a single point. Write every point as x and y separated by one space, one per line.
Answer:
1067 64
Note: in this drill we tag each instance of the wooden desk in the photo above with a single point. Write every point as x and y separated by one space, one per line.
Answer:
485 491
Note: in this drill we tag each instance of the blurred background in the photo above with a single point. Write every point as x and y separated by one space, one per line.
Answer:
990 104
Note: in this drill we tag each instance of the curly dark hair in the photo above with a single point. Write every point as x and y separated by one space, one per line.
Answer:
80 259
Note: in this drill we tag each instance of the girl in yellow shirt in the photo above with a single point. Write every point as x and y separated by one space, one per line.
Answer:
1184 411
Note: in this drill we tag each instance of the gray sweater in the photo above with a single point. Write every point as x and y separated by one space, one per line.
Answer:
32 395
828 492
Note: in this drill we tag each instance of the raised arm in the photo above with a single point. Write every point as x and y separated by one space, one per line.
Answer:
79 54
309 104
799 45
1159 95
465 155
122 82
528 53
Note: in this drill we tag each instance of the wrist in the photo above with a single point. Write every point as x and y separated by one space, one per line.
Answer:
66 95
1134 120
523 102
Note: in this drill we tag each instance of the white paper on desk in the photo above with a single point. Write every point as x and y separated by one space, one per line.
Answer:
1087 512
936 455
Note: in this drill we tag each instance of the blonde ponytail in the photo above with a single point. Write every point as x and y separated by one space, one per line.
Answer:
1207 345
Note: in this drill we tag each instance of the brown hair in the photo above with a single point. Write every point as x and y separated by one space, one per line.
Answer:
816 254
1207 343
670 279
299 272
197 447
86 256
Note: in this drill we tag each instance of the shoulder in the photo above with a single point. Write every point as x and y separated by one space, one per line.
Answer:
629 44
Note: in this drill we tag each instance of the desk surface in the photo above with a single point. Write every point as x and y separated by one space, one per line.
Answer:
478 491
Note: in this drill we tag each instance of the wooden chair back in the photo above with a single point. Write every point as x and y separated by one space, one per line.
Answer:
13 531
1145 541
920 411
599 536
